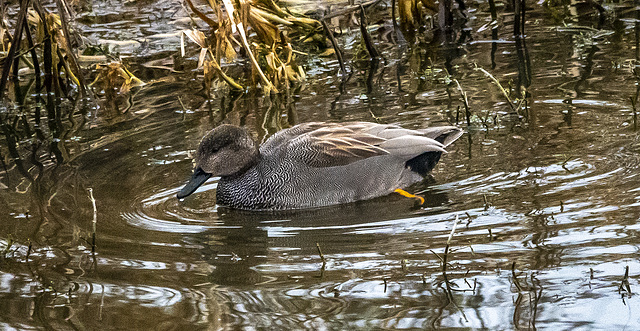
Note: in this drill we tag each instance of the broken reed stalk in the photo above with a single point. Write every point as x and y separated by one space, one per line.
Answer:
465 101
94 223
63 9
393 15
101 304
447 283
444 258
373 52
29 248
517 11
494 32
497 82
493 11
243 36
17 36
523 9
336 47
34 57
624 285
232 83
634 102
516 282
324 261
453 229
201 15
48 61
320 253
536 300
267 84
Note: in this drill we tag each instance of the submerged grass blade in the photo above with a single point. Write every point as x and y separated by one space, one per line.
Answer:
497 82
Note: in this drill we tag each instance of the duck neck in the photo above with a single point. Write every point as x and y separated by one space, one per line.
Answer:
247 166
240 190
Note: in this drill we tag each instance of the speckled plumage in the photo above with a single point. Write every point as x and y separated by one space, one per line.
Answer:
316 164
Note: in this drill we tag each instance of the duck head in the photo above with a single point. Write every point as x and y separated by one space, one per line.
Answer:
225 151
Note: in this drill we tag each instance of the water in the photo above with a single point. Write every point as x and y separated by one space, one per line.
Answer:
546 203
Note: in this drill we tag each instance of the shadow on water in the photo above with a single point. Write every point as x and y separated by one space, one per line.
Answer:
246 235
249 237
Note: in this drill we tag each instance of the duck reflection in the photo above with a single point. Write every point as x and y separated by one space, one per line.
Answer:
246 240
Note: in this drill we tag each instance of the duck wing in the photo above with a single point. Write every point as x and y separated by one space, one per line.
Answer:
320 144
279 140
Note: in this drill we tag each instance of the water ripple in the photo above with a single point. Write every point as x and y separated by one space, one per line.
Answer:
161 211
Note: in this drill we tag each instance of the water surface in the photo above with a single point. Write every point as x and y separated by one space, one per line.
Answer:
546 200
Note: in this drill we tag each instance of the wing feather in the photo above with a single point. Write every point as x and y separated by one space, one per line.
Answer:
341 150
319 144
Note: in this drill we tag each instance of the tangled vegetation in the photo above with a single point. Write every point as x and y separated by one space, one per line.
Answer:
43 44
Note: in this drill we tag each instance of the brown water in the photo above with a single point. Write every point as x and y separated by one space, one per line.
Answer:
554 190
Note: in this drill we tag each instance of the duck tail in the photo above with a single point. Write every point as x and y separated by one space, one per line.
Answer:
443 134
425 162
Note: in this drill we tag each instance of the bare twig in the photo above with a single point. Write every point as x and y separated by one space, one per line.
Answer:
516 282
14 45
94 223
624 285
62 9
337 49
465 101
634 102
453 229
373 52
497 82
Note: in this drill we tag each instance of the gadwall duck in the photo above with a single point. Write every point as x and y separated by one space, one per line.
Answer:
315 164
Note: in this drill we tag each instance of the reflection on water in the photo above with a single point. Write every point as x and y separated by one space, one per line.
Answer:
547 201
